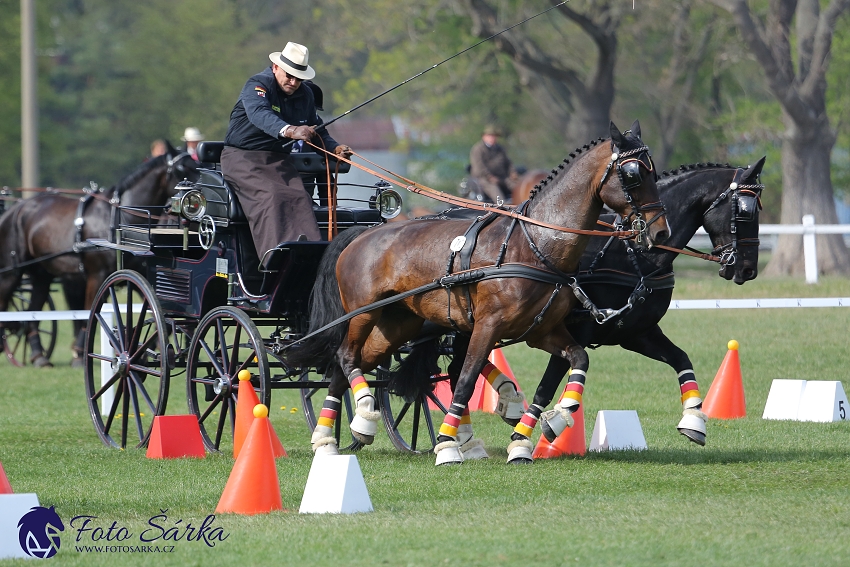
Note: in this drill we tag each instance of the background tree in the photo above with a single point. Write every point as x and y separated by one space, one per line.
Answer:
795 62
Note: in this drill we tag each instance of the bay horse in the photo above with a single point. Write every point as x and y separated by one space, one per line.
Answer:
45 237
724 200
509 290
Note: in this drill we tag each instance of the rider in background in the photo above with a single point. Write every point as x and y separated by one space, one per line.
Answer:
192 136
274 108
491 168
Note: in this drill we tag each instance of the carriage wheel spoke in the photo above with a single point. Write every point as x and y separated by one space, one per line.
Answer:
119 321
137 330
235 355
112 410
222 344
213 358
138 419
144 347
437 402
401 414
216 401
141 388
429 423
106 386
125 408
147 370
414 438
222 418
114 342
244 364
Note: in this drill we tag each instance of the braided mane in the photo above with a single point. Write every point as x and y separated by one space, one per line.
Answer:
562 167
694 167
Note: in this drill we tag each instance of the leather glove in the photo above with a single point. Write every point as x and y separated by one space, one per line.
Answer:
300 132
343 151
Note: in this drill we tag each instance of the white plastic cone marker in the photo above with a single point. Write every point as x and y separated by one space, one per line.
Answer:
335 485
617 430
823 401
12 509
783 400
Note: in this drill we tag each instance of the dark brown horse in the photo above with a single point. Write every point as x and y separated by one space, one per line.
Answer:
41 237
510 291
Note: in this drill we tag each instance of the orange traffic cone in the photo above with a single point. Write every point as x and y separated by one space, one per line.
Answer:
253 486
725 398
245 402
5 487
570 442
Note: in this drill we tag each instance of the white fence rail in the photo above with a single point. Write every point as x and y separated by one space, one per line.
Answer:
808 229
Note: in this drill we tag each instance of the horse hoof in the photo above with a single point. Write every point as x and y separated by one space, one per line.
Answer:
510 407
448 453
41 361
327 449
77 362
692 426
519 452
697 437
364 429
554 422
473 450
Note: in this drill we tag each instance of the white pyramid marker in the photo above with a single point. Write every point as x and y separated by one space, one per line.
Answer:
823 401
783 400
615 430
12 509
335 486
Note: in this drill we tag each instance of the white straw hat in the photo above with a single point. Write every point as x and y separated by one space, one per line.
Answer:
192 134
293 60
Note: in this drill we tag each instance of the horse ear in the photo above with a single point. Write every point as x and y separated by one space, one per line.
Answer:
616 136
169 149
636 128
754 171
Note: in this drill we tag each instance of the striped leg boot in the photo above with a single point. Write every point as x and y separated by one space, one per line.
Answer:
472 448
510 406
557 419
520 448
323 440
448 448
692 424
365 422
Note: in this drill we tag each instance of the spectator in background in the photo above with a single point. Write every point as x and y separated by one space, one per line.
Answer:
490 166
192 136
158 148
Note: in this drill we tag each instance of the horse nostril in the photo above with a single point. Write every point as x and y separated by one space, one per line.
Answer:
662 236
749 274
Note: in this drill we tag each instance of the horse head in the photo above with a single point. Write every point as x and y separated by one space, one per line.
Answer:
732 223
629 187
180 166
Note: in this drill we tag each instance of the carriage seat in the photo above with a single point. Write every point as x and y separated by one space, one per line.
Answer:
305 162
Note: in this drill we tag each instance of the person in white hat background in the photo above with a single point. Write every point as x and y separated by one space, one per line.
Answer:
275 107
192 136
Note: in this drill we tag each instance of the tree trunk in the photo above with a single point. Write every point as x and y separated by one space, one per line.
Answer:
807 190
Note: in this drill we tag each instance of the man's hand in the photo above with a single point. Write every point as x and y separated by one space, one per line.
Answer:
300 132
343 151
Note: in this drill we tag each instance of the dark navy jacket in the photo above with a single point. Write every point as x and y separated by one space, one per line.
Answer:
263 109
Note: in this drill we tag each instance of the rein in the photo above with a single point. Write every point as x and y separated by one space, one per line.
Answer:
514 213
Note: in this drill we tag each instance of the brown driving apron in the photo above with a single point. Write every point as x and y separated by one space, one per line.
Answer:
272 196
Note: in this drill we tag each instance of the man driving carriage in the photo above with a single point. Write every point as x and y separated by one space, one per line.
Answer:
274 108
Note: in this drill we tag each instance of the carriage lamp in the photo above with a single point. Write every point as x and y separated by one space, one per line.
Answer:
387 201
193 205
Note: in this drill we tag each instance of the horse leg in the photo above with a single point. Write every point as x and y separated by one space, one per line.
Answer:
655 344
556 420
471 447
323 440
76 300
364 426
448 448
9 282
38 297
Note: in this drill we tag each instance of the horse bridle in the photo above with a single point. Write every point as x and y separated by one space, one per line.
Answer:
744 199
628 171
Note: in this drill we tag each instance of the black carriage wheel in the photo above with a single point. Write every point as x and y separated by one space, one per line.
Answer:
312 399
225 342
133 365
14 333
410 424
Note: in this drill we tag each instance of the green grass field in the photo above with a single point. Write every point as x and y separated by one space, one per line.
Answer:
760 492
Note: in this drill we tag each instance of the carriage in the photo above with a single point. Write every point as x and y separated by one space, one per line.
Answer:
192 299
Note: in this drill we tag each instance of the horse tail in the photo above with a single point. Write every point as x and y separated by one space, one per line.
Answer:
413 374
325 305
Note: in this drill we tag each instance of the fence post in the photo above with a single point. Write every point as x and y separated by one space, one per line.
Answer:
810 253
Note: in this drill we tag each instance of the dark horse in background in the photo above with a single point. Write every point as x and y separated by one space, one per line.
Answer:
511 289
614 274
46 234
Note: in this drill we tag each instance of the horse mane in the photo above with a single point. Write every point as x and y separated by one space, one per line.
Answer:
694 167
562 167
131 179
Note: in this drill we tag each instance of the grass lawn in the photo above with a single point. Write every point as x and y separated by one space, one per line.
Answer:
760 492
